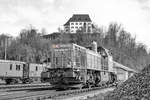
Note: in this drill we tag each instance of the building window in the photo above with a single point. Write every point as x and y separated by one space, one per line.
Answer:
76 27
76 23
80 23
72 27
72 23
10 66
18 67
36 68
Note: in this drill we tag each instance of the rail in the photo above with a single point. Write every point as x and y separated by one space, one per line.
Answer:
26 86
54 95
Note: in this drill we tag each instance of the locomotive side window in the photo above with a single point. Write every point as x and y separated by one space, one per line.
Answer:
77 56
10 66
56 60
18 67
36 68
99 63
95 62
88 60
92 61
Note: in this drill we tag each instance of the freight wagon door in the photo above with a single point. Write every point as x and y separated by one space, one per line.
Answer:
25 71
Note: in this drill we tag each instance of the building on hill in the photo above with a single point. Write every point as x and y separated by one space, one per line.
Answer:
52 36
78 22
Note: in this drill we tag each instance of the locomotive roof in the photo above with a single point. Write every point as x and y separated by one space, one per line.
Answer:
81 47
10 61
35 64
91 51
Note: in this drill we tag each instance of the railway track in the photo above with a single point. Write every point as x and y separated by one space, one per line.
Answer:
48 94
9 85
26 86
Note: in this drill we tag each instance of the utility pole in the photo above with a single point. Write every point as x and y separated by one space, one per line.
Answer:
5 42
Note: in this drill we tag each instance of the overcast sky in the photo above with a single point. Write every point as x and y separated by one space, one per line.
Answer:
134 15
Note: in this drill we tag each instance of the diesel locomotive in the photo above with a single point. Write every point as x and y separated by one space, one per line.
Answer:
76 66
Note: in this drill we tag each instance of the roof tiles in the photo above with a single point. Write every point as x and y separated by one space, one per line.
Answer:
79 18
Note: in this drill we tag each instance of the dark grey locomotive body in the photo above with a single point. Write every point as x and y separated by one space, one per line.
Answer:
74 65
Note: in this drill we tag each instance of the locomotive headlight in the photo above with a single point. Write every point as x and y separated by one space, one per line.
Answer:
78 70
55 46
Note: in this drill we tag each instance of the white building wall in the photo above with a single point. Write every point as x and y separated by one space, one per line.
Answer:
74 26
122 75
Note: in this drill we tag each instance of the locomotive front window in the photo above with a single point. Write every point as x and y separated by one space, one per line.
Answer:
77 61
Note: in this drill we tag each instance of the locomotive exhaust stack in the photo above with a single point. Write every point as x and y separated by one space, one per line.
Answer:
94 46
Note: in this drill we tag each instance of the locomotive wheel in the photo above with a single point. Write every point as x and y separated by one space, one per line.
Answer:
89 85
8 81
81 87
11 81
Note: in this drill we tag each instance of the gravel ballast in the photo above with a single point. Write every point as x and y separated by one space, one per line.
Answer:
136 87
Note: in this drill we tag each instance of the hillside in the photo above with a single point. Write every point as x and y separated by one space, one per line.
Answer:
31 46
